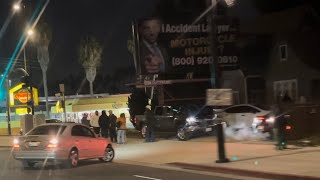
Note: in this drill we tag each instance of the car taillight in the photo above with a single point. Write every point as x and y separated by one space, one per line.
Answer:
135 120
53 143
261 118
16 143
288 127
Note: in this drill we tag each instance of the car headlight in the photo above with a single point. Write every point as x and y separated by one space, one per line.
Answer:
191 119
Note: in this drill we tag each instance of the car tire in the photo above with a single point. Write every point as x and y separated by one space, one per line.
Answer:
73 159
183 135
143 131
108 155
28 164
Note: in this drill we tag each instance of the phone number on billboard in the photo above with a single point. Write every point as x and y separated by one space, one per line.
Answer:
185 61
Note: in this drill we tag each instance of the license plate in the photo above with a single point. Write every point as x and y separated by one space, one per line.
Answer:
208 129
33 144
260 127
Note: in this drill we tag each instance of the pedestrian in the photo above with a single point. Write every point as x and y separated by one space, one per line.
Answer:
113 126
104 123
94 122
121 129
85 120
282 122
150 122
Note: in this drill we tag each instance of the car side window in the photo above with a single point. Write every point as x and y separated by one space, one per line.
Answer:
168 110
76 131
253 110
87 132
237 109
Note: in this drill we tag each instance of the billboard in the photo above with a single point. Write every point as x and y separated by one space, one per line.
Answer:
178 49
173 48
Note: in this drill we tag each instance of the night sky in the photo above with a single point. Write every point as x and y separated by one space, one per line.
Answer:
109 21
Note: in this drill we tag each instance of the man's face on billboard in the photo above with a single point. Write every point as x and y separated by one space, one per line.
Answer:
150 30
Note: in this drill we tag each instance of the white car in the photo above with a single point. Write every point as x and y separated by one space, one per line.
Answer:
65 143
245 116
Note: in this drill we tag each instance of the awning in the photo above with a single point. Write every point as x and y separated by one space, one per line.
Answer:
107 103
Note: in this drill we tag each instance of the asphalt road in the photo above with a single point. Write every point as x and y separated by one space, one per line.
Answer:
11 169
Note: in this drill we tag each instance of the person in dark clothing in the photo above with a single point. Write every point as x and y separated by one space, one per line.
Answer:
104 123
282 122
113 126
150 122
85 120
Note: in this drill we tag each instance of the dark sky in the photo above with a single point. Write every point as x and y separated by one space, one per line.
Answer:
108 20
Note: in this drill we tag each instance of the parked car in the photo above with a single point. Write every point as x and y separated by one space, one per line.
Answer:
247 116
168 119
65 143
200 124
46 121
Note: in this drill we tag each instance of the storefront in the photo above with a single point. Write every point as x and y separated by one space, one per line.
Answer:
78 107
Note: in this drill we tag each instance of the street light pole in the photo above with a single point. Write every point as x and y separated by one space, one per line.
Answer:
62 90
8 106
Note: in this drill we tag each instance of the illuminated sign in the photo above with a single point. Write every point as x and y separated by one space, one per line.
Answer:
20 95
21 111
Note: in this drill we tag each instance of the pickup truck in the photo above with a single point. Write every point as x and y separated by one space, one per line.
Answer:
168 119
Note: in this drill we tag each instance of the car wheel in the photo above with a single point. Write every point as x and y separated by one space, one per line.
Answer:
143 131
108 155
73 159
26 164
183 135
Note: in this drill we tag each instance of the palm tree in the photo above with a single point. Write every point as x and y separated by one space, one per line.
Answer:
44 35
90 53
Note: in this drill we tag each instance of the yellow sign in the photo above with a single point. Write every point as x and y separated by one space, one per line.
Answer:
23 95
20 95
22 111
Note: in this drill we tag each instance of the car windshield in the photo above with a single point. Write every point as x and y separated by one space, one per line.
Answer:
47 130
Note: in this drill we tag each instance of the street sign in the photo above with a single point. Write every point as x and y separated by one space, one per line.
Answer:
219 97
156 82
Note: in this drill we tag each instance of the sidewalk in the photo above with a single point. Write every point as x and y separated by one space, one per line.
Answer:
249 159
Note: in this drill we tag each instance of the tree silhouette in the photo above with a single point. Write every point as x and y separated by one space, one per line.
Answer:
90 53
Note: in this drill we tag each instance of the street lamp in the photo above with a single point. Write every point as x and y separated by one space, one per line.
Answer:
30 32
16 7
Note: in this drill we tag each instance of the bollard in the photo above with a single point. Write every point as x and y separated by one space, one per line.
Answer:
220 139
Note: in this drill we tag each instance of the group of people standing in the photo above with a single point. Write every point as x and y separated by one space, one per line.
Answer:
109 126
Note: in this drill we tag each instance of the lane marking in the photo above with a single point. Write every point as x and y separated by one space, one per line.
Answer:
145 177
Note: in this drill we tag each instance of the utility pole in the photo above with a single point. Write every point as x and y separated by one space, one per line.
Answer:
8 106
62 90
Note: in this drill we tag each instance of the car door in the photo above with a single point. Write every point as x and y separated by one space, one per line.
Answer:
81 141
229 115
159 117
92 142
168 118
246 115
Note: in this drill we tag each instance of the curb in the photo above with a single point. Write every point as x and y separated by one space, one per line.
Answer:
242 172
